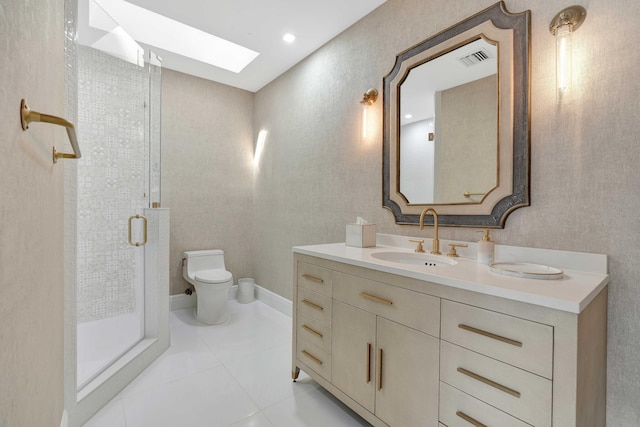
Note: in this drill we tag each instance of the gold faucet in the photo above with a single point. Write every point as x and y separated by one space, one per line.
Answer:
420 248
436 243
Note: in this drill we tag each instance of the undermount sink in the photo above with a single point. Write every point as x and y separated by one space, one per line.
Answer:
414 259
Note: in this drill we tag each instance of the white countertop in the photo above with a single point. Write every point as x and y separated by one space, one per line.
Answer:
572 293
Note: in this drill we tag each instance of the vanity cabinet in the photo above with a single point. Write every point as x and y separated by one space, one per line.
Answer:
503 360
382 348
375 361
401 351
313 318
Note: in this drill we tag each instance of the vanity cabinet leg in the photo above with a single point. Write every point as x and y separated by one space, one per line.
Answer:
295 373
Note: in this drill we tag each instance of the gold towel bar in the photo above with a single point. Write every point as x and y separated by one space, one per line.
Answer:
27 116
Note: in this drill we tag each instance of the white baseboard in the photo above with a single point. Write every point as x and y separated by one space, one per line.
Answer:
273 300
181 301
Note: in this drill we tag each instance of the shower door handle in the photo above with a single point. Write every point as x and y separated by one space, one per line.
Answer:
144 228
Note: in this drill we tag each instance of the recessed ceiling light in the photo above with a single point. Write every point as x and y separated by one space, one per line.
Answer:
176 37
289 38
408 116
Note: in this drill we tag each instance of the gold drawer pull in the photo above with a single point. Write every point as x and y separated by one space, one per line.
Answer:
375 298
368 363
489 335
489 382
313 331
312 305
312 357
470 420
379 369
312 278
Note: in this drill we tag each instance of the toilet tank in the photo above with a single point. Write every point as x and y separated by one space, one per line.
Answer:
203 260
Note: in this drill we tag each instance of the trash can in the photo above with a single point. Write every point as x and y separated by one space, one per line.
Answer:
246 290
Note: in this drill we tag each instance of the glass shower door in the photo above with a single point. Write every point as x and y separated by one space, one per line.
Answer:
112 187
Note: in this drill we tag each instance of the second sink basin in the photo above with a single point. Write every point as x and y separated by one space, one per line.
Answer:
414 258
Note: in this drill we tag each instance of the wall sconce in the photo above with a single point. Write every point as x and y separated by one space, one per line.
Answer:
562 26
368 99
262 137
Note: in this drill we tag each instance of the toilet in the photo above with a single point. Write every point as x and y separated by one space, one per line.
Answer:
206 272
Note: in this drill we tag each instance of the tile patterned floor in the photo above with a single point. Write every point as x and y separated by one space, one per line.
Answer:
235 375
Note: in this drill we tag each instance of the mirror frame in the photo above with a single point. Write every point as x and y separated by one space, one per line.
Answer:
517 101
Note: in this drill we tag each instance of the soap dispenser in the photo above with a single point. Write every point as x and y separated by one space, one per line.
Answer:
486 248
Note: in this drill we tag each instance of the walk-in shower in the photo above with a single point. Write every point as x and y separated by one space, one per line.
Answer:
116 237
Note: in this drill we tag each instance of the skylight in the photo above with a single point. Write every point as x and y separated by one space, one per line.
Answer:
165 33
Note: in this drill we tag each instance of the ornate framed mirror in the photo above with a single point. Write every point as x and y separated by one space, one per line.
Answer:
456 123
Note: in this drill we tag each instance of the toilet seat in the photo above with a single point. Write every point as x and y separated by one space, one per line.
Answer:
214 276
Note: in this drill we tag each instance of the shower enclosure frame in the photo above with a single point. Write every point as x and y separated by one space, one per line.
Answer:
81 404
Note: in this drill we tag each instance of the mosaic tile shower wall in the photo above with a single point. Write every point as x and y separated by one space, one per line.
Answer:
111 182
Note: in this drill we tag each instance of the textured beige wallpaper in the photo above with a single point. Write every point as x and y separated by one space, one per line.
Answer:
317 174
31 216
207 171
467 160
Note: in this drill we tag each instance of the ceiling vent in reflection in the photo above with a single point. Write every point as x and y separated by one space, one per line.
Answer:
475 57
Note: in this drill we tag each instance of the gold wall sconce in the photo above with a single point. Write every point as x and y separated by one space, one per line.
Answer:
260 142
562 27
368 99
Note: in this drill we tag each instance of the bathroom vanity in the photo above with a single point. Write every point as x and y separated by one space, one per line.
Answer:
406 344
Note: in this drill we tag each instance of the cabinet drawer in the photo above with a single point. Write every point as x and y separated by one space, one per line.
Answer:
458 409
315 332
520 393
315 358
318 279
315 305
518 342
413 309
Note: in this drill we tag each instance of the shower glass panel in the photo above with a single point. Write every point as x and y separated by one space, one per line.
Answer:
118 94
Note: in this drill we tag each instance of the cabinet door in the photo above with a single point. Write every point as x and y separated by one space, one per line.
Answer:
407 389
352 353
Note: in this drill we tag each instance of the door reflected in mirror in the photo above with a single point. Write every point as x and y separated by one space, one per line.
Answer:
449 126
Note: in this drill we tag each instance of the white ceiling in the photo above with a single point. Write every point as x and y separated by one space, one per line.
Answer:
258 25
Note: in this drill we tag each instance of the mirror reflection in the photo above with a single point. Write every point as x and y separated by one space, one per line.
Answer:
449 126
457 140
